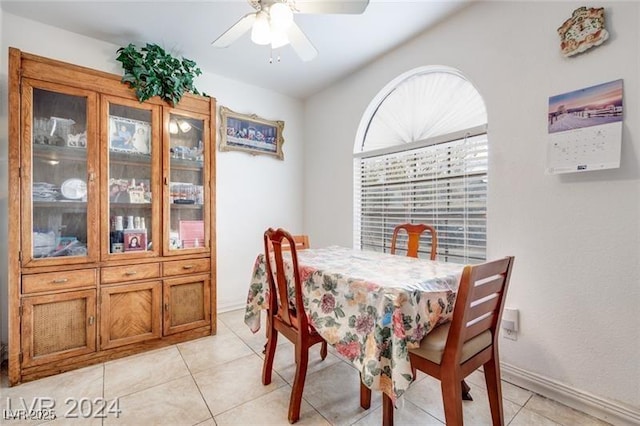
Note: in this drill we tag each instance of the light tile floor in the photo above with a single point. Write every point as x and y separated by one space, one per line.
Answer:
216 381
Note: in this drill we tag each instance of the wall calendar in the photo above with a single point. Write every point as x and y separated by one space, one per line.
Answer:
585 129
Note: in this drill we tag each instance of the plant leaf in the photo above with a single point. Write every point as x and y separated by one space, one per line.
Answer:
151 71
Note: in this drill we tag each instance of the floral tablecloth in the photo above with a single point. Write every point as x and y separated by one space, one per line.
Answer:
372 307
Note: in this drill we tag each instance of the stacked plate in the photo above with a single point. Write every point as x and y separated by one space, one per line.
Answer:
44 191
44 243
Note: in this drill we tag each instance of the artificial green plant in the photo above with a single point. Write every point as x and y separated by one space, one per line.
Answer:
151 71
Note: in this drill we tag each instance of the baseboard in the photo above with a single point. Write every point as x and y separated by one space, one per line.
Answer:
221 308
612 412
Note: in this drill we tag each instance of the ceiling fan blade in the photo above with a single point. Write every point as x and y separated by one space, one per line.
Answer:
330 6
300 43
236 31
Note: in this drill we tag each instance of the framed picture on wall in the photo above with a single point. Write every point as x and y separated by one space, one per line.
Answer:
250 133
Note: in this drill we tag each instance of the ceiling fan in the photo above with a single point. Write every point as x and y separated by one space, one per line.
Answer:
272 23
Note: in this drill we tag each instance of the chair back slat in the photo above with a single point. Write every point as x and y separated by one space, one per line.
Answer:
414 231
479 303
283 303
482 308
478 327
488 287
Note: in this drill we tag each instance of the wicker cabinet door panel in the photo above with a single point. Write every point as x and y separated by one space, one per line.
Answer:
58 326
130 314
186 303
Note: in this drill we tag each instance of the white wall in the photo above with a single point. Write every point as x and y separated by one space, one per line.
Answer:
254 192
244 208
576 237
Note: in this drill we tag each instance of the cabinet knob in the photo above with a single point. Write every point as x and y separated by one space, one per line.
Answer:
187 267
60 280
91 320
130 273
166 306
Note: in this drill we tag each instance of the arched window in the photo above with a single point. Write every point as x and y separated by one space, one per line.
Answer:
420 156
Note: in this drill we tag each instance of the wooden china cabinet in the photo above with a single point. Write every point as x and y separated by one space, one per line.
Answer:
111 218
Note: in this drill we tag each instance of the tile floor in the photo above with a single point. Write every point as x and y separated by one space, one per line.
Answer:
216 381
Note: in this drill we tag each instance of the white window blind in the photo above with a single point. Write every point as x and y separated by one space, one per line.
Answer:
442 184
428 103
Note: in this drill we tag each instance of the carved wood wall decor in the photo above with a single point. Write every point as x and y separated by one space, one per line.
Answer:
584 30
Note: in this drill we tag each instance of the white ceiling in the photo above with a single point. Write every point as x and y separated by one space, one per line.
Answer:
187 28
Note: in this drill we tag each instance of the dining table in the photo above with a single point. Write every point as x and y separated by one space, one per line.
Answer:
372 307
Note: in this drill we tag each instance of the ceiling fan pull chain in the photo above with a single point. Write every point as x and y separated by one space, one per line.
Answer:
271 56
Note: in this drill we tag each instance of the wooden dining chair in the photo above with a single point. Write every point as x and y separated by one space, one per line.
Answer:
456 349
287 316
302 242
414 231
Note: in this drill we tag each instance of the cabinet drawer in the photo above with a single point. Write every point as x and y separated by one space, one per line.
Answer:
116 274
181 267
52 281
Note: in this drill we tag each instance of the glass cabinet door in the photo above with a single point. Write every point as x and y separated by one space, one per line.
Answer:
60 163
186 189
131 179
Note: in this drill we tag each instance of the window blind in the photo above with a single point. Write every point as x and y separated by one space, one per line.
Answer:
444 185
433 102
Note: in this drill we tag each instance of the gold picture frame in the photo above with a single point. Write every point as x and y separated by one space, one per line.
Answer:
250 133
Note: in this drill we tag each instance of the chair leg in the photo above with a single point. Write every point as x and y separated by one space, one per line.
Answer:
266 331
270 353
323 350
452 400
466 396
494 389
302 361
365 395
387 410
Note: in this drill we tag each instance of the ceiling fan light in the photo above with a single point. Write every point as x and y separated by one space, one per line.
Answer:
280 17
279 39
261 32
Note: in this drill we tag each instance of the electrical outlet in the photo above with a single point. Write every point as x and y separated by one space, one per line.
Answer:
510 334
